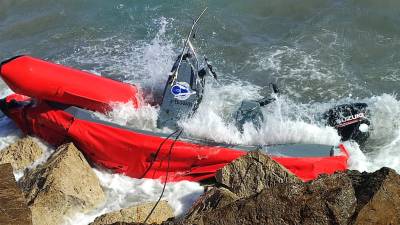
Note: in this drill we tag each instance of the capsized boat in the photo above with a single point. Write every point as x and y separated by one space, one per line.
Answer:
53 102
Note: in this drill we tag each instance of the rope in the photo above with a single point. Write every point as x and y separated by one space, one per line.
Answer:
166 176
157 152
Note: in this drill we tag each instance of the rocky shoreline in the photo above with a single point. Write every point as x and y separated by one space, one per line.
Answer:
250 190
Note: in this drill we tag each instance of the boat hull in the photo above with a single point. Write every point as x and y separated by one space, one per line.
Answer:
50 104
133 152
49 81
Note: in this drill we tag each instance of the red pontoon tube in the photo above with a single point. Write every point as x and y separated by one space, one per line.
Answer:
48 81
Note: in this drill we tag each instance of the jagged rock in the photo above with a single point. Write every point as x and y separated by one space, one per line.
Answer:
22 153
64 184
252 173
328 200
211 200
122 223
343 198
332 198
137 214
13 207
378 197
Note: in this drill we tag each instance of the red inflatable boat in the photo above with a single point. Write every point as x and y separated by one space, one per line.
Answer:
48 81
55 103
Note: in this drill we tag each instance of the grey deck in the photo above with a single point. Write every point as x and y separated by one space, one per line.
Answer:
283 150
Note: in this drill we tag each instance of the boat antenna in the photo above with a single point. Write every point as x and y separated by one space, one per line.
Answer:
175 72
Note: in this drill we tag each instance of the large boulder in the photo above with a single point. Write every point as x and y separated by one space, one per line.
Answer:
327 200
378 197
211 200
64 184
137 214
22 153
342 198
13 207
252 173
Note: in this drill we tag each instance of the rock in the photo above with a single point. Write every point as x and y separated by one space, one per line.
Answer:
252 173
327 200
137 214
122 223
22 153
209 201
64 184
378 197
13 207
332 198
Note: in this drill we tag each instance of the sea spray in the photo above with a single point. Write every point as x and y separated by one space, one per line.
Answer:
144 117
123 192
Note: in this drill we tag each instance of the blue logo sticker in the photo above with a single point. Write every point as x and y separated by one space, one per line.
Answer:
182 91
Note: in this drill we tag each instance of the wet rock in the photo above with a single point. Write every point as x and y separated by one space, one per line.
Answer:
64 184
328 200
378 197
22 153
137 214
252 173
13 207
209 201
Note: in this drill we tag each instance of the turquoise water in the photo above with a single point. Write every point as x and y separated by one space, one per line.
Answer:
315 50
320 53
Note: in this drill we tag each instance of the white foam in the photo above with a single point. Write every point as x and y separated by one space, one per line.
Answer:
383 146
211 121
123 192
125 114
139 62
357 160
285 121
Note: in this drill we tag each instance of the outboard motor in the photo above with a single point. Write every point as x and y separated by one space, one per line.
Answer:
182 93
350 120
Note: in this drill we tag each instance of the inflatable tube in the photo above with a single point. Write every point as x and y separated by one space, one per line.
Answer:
133 152
48 81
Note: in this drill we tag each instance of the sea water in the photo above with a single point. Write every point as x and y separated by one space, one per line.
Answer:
320 53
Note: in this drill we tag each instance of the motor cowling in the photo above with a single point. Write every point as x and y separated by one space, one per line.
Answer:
350 120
